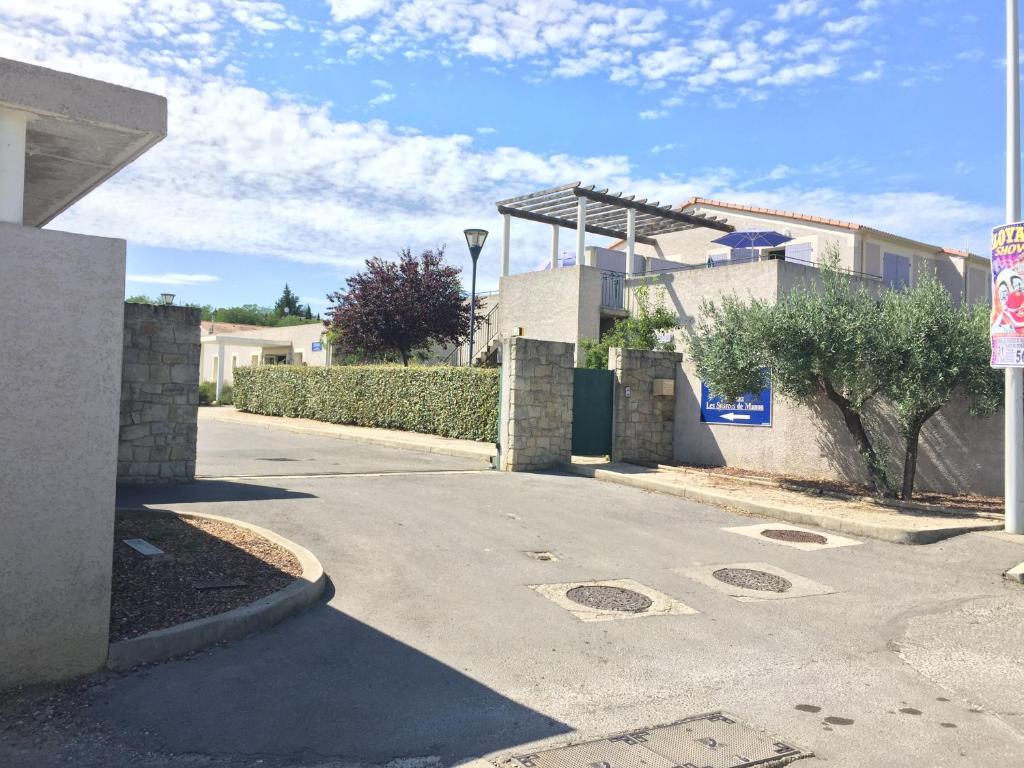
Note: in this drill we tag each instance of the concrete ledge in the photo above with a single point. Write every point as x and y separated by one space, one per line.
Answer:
897 528
163 644
388 438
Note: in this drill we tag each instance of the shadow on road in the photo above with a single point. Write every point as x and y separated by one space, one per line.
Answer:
322 684
202 490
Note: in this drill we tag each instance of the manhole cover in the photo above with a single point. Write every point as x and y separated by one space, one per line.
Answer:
609 598
751 579
797 537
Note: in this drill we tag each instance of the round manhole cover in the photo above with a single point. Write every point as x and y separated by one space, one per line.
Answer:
609 598
797 537
751 579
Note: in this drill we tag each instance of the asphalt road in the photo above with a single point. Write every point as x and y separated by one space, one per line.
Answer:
432 647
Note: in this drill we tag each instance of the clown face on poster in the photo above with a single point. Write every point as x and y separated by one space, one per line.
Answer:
1007 330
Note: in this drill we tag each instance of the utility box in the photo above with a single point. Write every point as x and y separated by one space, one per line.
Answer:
664 387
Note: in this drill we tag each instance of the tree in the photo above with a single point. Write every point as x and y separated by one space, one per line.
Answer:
932 349
247 314
288 305
638 331
399 307
911 349
815 341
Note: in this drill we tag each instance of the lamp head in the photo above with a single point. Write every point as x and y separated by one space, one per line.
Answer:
475 240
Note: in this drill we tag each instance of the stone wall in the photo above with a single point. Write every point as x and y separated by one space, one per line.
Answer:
159 395
536 404
644 423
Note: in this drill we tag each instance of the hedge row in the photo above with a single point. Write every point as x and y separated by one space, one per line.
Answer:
438 400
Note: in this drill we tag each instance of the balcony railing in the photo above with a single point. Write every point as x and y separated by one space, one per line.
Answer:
613 290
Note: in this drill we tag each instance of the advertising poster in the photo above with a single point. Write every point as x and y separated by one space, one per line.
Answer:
1007 331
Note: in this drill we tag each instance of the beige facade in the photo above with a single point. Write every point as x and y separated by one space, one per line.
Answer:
292 345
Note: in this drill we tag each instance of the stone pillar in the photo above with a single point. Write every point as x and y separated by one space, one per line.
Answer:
643 426
536 404
159 395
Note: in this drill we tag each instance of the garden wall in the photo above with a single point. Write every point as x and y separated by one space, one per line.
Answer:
438 400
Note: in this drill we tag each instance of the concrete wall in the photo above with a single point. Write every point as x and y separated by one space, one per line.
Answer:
958 453
536 404
553 305
294 341
159 395
643 430
59 399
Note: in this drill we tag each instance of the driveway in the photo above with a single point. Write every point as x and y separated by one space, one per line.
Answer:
432 647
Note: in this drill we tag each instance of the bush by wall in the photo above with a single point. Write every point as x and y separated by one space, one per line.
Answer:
438 400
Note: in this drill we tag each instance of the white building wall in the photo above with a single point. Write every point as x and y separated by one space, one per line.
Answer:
60 388
295 341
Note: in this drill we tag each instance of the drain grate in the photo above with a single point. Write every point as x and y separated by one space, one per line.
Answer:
609 598
797 537
747 578
715 740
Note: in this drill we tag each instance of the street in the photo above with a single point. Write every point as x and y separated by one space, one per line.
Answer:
431 644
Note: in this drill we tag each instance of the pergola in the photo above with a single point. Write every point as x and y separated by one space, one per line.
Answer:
587 209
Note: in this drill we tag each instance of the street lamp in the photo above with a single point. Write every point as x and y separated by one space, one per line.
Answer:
167 298
475 240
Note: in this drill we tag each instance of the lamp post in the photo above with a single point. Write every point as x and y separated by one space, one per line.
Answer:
475 240
1013 458
167 298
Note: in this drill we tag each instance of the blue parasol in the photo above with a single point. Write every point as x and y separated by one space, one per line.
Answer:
753 239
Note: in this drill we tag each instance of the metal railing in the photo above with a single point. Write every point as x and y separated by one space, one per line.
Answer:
752 259
485 334
613 290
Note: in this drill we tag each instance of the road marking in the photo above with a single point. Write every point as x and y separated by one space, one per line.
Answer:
329 475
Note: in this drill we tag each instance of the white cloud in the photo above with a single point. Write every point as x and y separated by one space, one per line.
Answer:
872 74
652 114
776 37
382 98
486 130
869 5
384 85
852 25
173 278
801 72
659 148
795 8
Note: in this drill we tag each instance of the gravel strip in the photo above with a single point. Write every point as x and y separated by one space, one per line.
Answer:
209 567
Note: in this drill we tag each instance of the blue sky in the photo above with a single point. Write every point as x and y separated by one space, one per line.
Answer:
305 137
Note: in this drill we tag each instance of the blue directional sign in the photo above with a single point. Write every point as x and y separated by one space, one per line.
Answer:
318 346
750 410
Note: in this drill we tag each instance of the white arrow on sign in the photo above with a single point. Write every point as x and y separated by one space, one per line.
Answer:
734 416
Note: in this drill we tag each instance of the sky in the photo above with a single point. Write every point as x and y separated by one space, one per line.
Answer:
305 137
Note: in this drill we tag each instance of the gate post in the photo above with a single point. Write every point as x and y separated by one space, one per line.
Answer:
644 418
536 404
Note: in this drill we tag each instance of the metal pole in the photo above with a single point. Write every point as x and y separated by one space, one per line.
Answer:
1013 405
472 313
581 231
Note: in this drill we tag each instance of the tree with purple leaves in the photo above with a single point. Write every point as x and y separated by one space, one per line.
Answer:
396 308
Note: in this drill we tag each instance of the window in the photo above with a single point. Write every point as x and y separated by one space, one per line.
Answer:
254 360
895 271
298 358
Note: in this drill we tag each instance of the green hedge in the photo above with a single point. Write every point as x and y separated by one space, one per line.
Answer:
438 400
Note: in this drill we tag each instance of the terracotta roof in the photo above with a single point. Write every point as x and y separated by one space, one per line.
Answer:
853 226
208 327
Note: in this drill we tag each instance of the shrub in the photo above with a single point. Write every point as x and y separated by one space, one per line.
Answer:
437 400
208 394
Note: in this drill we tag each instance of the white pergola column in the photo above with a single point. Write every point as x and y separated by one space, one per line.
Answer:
506 234
581 230
630 240
12 165
554 246
220 370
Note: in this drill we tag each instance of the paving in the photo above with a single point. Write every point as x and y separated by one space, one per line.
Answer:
432 649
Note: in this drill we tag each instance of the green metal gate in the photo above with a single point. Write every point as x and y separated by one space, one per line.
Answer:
592 411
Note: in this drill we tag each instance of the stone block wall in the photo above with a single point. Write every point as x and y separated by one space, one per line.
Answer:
159 395
536 404
644 424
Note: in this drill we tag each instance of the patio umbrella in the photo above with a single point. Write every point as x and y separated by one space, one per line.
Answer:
753 239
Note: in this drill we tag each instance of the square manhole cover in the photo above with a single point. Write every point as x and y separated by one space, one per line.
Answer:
713 740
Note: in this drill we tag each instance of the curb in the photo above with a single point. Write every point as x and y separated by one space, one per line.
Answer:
1015 574
163 644
893 534
485 453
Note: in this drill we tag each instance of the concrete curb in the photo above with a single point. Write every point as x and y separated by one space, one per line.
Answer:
865 528
410 441
1015 574
163 644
